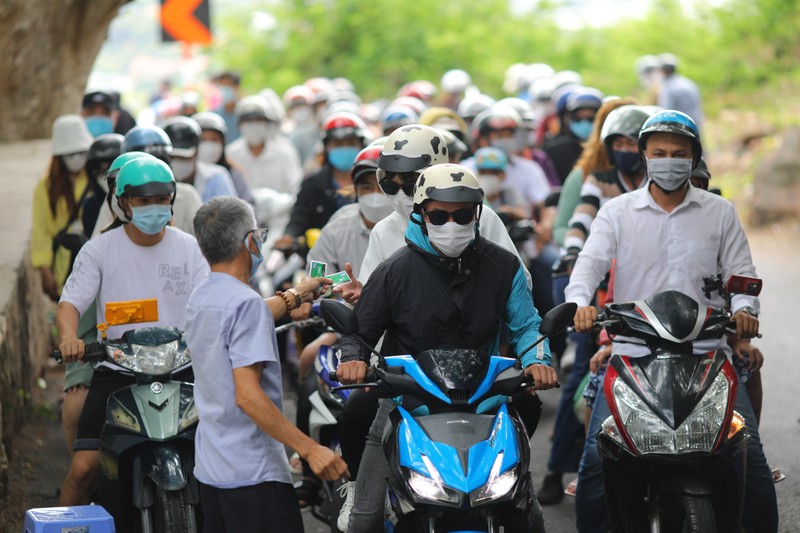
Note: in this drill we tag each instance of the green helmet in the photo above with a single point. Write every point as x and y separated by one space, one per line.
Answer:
120 160
145 176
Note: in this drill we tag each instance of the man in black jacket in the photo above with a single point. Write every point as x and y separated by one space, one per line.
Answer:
449 288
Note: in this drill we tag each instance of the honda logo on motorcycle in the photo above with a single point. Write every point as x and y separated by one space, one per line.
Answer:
156 387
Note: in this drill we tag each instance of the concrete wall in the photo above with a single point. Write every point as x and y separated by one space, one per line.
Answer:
24 340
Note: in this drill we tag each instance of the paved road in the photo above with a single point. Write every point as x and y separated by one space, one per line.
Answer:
38 462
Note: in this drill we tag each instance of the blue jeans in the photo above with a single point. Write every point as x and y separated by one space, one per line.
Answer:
760 502
568 433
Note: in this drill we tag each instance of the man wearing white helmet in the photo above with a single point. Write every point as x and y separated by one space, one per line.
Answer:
264 156
406 152
445 289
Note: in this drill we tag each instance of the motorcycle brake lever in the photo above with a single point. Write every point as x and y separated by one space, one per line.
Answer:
354 386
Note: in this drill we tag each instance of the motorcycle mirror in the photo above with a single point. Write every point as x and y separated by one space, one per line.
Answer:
744 285
338 316
558 318
130 312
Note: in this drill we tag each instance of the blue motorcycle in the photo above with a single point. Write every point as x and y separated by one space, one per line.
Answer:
458 453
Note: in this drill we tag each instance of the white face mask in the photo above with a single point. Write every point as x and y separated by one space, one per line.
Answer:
375 206
451 238
182 168
490 183
302 113
103 184
402 204
255 133
209 151
75 162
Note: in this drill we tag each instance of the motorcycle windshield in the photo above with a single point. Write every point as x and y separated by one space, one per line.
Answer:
670 382
457 373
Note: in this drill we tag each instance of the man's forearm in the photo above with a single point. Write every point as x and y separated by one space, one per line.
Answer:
269 419
67 317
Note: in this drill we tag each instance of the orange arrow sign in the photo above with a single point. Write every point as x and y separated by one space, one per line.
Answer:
178 20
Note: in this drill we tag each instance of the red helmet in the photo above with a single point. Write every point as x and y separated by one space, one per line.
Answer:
343 124
421 89
366 161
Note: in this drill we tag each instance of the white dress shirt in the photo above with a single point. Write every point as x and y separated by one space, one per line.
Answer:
657 251
277 166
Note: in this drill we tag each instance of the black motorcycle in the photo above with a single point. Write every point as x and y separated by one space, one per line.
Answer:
673 450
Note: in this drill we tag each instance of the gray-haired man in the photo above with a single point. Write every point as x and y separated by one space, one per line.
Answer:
240 460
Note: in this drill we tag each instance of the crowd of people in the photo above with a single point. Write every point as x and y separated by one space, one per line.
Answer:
415 198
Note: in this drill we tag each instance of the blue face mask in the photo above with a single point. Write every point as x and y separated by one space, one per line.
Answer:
99 125
581 129
256 259
342 158
151 219
629 163
228 94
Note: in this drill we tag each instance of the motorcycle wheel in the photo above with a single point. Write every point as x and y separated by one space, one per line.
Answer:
172 514
698 515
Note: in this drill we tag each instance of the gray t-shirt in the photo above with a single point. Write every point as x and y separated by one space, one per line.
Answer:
229 326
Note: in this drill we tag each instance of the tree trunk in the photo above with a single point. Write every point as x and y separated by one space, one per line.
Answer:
49 47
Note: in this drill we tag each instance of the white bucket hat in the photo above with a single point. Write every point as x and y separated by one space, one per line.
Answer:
70 135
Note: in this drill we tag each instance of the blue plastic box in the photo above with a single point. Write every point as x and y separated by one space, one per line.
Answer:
76 519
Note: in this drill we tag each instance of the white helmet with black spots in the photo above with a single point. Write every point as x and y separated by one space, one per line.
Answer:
447 182
412 148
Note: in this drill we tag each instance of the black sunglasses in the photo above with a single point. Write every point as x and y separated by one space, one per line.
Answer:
391 188
462 216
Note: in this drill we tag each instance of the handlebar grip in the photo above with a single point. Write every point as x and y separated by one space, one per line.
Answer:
92 351
370 377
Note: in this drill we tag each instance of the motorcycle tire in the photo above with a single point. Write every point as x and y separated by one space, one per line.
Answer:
698 515
172 514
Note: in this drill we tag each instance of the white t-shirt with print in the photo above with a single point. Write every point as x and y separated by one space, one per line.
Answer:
112 268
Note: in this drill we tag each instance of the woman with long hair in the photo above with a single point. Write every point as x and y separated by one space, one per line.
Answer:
57 201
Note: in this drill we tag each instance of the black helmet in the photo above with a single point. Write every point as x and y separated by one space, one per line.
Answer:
150 140
103 151
672 122
184 133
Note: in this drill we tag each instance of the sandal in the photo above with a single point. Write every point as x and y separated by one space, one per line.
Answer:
572 488
307 490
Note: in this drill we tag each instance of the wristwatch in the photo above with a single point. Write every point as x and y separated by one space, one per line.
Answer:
748 311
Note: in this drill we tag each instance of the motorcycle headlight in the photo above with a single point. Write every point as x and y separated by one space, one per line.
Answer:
498 485
151 360
431 488
651 435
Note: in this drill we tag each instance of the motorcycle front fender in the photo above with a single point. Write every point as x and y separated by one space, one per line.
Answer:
167 470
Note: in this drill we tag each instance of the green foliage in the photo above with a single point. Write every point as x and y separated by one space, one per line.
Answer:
738 47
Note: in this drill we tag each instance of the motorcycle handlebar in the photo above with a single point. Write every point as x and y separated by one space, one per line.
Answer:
92 351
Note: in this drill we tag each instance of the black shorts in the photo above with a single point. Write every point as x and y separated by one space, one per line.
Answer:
264 508
105 382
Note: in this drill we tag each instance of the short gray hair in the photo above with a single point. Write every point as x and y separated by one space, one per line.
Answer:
220 227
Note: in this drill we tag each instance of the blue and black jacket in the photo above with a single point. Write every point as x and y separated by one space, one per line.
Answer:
424 300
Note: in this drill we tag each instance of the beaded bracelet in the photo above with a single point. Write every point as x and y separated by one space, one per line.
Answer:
285 299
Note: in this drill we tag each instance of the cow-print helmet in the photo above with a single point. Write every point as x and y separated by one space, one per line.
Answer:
447 183
412 148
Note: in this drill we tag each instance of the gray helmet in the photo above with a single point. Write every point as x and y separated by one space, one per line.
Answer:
626 121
